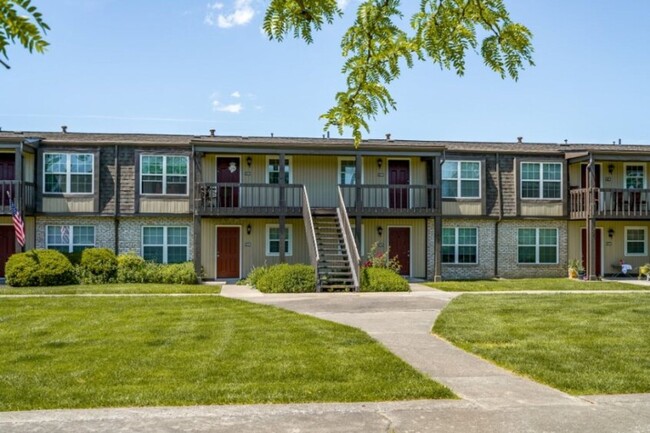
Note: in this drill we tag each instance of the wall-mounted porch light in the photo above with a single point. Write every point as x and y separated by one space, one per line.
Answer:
379 163
249 161
380 230
610 168
249 229
610 233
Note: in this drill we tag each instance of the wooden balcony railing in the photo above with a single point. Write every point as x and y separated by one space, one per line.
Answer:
610 203
350 243
248 199
310 232
22 193
390 200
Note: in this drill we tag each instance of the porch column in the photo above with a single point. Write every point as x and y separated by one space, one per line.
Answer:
437 219
358 201
19 190
591 221
196 256
283 207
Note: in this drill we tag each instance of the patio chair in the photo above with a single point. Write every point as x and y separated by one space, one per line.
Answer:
624 269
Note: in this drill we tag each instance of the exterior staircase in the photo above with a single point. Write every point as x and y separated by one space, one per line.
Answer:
334 272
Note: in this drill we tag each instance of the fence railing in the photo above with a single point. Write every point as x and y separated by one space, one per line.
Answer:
22 193
348 239
248 198
310 233
397 199
610 202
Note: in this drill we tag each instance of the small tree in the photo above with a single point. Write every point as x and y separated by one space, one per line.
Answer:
21 22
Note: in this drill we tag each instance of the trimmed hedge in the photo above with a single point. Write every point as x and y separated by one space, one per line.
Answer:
382 280
131 268
255 274
98 266
39 268
134 269
285 278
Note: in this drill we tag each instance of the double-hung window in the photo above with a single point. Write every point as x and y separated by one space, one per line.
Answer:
636 239
273 240
347 171
164 174
537 246
68 173
69 239
273 171
165 244
634 176
460 245
541 180
461 179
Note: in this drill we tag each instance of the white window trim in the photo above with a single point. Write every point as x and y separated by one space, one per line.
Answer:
645 241
338 172
456 245
631 164
289 228
165 245
68 173
541 181
288 159
70 236
538 245
164 176
459 180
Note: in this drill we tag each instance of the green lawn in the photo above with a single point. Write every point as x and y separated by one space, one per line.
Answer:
531 284
79 352
111 289
581 344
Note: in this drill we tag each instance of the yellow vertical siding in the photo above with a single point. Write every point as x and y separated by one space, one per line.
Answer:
28 171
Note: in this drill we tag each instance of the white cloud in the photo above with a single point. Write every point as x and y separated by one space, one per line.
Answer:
236 94
241 13
342 3
228 108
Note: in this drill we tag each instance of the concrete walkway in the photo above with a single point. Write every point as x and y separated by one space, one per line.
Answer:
493 399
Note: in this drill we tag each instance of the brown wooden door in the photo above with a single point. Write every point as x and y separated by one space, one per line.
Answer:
228 252
7 172
399 241
599 251
398 174
7 246
228 170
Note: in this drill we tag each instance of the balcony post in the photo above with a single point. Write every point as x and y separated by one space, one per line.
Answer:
283 207
437 221
358 200
19 191
591 221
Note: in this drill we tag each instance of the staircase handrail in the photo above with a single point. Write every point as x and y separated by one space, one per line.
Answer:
314 256
348 239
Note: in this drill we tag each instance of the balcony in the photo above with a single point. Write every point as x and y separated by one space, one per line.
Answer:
22 193
247 199
610 203
390 200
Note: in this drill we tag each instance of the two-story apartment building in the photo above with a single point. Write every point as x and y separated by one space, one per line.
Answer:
450 210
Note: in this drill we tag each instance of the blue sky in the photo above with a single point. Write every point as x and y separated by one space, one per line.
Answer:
187 66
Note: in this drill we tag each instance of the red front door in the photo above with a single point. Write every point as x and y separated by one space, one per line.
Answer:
398 174
599 252
228 170
399 241
228 252
7 246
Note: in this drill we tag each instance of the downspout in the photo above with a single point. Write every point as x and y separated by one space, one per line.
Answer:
500 212
116 195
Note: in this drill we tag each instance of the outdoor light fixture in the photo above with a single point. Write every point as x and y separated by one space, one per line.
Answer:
610 168
610 233
379 162
380 230
249 161
249 229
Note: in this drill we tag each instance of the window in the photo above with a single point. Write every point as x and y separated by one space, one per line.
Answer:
347 171
163 174
459 245
165 244
69 239
541 180
635 241
635 176
538 246
68 173
273 171
273 240
461 179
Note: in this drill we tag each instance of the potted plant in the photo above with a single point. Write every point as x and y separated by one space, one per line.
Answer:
575 267
644 271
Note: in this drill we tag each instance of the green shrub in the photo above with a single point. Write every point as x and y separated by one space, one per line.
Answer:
131 268
74 257
285 278
98 266
178 273
255 274
39 268
383 260
134 269
382 280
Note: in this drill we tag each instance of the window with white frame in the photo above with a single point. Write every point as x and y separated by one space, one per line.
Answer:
68 173
635 241
461 179
163 174
273 240
537 246
541 180
69 238
634 176
273 170
165 244
460 245
347 171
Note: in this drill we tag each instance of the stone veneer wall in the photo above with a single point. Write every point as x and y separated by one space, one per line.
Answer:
104 228
130 231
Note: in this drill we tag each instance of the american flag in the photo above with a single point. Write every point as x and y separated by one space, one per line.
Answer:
19 224
65 234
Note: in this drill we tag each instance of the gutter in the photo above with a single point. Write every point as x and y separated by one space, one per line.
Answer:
500 218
